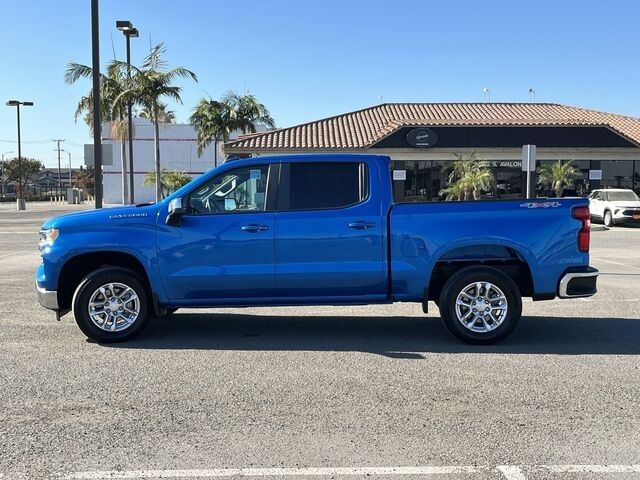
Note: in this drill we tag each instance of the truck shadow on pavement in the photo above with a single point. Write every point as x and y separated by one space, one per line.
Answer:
396 337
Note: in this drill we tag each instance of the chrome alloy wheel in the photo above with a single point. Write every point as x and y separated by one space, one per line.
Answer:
114 307
481 307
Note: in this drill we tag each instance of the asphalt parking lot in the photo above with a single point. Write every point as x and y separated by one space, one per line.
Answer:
358 392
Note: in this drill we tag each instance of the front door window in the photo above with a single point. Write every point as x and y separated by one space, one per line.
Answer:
236 191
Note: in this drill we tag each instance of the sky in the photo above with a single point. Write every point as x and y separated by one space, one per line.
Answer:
307 60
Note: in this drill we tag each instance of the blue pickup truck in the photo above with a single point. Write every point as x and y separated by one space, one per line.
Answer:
312 230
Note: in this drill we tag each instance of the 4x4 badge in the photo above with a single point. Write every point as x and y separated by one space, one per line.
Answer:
540 204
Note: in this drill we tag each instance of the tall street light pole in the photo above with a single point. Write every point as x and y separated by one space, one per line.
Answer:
129 31
10 151
20 205
97 120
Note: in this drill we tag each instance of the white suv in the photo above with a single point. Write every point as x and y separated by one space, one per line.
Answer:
615 206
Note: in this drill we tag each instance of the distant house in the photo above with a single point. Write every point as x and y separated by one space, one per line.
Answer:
49 177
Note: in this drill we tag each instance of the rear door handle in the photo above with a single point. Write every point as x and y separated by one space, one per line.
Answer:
361 225
254 228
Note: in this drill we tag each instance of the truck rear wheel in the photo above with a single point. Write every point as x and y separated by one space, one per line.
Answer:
480 305
111 305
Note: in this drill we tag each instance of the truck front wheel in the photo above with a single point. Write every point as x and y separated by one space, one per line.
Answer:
111 305
480 305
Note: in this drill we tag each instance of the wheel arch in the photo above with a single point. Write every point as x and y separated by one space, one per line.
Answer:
502 256
79 266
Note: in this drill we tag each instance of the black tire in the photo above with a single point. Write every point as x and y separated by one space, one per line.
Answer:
463 279
608 219
90 284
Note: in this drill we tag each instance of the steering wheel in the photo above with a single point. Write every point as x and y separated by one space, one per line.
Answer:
212 206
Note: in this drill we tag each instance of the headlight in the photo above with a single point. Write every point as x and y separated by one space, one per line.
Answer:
47 237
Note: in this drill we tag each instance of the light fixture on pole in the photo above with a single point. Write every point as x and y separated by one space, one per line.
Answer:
129 31
532 95
20 205
487 94
2 174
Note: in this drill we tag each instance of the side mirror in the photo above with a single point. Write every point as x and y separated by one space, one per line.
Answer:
176 210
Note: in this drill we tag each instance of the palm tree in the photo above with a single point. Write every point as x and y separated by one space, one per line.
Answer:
468 175
164 114
148 85
454 191
215 120
557 175
111 109
169 180
479 179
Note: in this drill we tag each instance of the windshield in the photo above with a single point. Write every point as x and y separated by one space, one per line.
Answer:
627 196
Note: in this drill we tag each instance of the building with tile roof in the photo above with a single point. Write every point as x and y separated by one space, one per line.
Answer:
604 146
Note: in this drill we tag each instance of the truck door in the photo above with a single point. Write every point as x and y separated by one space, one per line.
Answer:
224 249
330 232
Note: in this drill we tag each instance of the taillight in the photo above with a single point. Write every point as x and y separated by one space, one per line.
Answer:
584 234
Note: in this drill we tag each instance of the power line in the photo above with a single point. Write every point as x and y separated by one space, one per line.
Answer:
25 141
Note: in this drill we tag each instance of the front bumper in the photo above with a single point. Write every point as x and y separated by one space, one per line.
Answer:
578 283
47 298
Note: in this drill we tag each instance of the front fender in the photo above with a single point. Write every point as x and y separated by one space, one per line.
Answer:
137 240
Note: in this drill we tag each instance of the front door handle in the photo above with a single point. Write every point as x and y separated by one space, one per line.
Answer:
254 228
361 225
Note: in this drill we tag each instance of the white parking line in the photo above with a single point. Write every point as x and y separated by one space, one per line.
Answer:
593 468
509 472
274 472
614 263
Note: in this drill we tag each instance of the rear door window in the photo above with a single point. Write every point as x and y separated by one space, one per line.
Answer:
320 186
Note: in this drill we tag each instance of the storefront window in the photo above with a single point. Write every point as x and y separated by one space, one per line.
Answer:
508 175
617 173
426 179
578 186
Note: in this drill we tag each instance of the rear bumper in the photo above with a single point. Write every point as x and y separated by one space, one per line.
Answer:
578 283
47 298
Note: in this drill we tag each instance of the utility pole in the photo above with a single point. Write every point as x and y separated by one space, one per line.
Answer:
59 141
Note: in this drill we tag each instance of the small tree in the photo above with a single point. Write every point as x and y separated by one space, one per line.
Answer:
557 175
479 180
170 181
467 175
455 191
86 178
28 168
